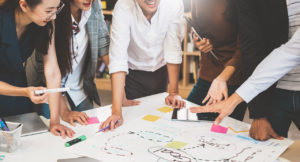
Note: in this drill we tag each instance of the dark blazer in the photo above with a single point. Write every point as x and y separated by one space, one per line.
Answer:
263 26
12 56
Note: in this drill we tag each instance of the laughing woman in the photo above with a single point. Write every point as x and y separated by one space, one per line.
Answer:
26 25
81 38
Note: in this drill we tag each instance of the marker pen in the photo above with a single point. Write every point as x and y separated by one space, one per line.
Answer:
76 140
55 90
3 125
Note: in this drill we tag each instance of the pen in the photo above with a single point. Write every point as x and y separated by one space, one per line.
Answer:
107 127
193 29
38 92
76 140
3 125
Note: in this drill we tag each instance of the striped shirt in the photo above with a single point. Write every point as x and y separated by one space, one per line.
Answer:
291 81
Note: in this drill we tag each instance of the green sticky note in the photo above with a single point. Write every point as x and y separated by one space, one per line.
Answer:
176 144
165 109
151 118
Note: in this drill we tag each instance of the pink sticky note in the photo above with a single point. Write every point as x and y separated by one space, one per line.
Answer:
93 120
218 129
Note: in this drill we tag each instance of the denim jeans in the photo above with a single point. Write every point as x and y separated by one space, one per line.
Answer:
84 105
200 91
286 110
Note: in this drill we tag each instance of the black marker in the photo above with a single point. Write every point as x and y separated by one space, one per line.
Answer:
76 140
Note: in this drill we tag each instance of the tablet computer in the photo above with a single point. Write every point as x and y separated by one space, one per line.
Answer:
185 115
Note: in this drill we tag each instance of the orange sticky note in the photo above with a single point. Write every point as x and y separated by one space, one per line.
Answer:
165 109
176 144
151 118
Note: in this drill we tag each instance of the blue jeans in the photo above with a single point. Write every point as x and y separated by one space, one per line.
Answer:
200 91
84 105
286 110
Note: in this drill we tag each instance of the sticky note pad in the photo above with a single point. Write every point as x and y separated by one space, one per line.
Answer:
218 129
165 109
248 138
151 118
93 120
176 144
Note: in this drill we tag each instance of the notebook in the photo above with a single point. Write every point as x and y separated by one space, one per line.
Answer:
32 123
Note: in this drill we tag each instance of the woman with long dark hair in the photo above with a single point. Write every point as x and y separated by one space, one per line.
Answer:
81 37
26 25
216 22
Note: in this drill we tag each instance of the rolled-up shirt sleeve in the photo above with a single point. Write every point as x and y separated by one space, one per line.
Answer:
120 38
104 37
281 61
174 36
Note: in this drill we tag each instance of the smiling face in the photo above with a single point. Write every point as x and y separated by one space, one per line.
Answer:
149 7
42 13
84 5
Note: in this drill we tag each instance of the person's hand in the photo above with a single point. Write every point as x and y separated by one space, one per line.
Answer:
224 108
262 130
217 92
36 99
203 45
111 122
126 102
59 130
75 116
175 100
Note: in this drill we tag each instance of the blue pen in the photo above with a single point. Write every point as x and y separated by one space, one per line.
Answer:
107 127
3 125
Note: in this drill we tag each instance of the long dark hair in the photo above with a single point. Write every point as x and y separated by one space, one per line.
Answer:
42 34
63 36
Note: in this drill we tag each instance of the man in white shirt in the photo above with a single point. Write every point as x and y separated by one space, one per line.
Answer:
146 38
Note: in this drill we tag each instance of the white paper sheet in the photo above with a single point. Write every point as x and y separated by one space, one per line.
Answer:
141 140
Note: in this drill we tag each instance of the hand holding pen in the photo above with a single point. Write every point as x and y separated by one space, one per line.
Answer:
112 122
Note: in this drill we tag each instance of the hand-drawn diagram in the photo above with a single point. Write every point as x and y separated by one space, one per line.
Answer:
145 141
109 148
171 154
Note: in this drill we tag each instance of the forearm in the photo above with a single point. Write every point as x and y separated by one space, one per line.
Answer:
282 59
63 105
173 70
118 83
53 81
226 73
105 59
235 100
9 90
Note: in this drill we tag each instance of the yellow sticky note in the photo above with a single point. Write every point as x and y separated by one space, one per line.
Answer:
165 109
176 144
103 4
151 118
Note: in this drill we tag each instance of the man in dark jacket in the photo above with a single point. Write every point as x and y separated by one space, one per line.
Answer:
264 26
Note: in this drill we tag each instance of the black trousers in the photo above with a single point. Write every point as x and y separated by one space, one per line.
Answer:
143 83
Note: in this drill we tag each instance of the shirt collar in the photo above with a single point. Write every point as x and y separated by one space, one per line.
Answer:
141 14
84 18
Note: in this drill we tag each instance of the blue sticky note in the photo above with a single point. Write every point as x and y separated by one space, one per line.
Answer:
248 138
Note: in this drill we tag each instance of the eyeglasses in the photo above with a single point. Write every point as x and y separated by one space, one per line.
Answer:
61 6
